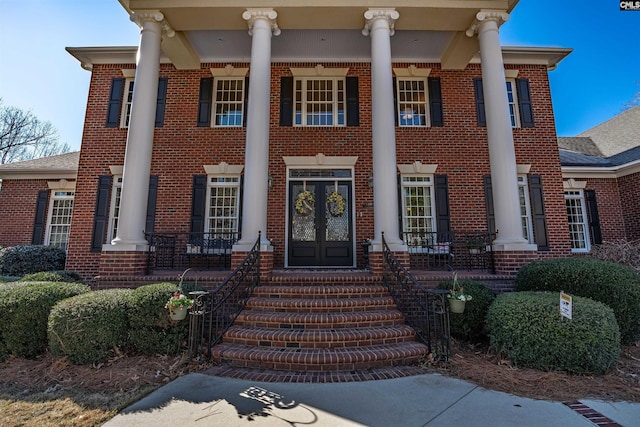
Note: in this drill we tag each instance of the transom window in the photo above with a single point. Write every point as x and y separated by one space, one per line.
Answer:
229 101
59 224
223 206
418 207
525 208
116 193
319 102
512 97
412 102
126 103
577 218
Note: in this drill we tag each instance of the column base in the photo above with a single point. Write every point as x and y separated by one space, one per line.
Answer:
509 262
266 260
376 261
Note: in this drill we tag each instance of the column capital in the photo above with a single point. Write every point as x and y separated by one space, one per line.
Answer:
140 17
252 15
388 14
483 16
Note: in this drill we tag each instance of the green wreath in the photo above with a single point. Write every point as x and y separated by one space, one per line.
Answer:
336 204
305 202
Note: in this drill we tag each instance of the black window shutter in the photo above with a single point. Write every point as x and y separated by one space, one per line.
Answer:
246 101
151 204
435 101
482 118
40 221
353 108
198 202
537 212
400 212
286 101
594 218
161 101
101 213
395 101
443 217
205 101
488 199
524 97
115 99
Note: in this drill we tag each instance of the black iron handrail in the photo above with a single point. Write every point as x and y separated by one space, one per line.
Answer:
425 310
214 312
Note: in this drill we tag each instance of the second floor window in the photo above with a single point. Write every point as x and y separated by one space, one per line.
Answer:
229 101
512 97
412 102
126 103
319 102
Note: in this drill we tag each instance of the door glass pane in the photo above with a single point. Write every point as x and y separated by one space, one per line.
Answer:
303 213
337 213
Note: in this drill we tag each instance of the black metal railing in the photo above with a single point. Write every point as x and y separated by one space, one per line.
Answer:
214 312
450 250
180 251
425 310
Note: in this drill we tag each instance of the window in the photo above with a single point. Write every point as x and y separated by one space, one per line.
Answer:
512 97
525 209
319 102
223 207
59 223
114 211
577 218
229 102
412 102
418 208
121 101
126 103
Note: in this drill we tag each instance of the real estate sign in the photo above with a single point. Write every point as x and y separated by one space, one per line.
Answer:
565 305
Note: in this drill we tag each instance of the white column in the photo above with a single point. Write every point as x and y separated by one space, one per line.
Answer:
502 155
262 25
379 25
137 159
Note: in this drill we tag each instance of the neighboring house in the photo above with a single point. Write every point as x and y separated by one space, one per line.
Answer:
36 200
319 127
601 171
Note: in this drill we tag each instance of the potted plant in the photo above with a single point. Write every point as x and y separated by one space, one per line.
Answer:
457 297
178 305
474 244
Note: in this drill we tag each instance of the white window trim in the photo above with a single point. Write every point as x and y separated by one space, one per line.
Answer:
579 195
115 184
334 103
401 112
515 103
523 183
432 196
126 105
52 199
211 184
215 103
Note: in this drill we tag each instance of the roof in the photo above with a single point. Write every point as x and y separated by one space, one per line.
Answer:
52 167
579 144
618 134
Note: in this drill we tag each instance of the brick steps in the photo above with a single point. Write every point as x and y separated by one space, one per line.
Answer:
319 323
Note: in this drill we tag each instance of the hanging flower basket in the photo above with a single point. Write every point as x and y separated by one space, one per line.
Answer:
178 305
336 204
305 202
456 305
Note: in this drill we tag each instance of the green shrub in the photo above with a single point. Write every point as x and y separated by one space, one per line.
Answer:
609 283
21 260
528 327
470 324
53 276
24 311
89 327
152 331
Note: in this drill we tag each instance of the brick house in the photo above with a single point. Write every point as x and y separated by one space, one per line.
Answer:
319 127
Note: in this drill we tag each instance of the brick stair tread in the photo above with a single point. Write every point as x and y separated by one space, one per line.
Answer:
320 356
329 337
315 304
321 291
304 279
320 320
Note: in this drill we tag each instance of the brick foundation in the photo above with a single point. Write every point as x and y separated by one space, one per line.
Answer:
125 263
376 261
509 262
266 262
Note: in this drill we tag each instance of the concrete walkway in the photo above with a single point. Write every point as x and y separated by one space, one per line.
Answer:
423 400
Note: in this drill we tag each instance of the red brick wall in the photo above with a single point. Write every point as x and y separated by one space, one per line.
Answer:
630 204
18 199
181 148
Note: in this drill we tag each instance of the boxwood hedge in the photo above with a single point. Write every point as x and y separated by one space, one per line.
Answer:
528 327
21 260
471 323
24 311
89 327
53 276
152 331
612 284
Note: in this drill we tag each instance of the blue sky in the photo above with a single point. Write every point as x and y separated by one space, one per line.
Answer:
590 86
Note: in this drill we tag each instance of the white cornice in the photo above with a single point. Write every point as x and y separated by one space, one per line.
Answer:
412 71
319 70
223 169
417 167
62 184
600 172
48 174
229 71
320 160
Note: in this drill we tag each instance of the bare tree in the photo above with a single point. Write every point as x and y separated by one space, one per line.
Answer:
24 137
635 100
